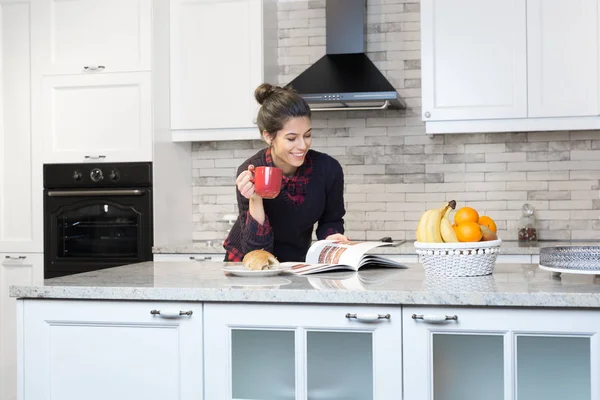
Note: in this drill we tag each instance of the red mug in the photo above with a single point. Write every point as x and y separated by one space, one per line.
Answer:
267 181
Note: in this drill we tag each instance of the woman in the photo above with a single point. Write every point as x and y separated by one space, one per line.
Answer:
312 190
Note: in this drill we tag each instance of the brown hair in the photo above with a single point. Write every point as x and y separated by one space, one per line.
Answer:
278 105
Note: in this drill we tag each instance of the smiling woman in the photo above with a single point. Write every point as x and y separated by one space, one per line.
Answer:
312 187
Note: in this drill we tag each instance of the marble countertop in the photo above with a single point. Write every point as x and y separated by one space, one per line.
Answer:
511 285
404 248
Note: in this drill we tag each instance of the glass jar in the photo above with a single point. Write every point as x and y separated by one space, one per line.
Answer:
527 231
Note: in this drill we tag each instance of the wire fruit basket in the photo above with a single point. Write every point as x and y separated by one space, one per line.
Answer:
458 259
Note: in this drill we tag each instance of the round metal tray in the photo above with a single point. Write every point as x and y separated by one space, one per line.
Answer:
574 259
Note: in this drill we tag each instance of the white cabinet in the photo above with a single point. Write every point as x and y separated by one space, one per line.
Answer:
97 117
111 350
217 257
94 97
498 354
519 65
15 269
93 35
474 59
21 199
562 58
260 351
221 50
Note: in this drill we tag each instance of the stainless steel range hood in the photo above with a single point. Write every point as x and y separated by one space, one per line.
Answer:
345 78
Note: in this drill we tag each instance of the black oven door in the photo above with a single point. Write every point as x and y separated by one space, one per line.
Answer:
87 230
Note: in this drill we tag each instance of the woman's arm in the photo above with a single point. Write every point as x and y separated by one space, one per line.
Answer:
332 220
256 229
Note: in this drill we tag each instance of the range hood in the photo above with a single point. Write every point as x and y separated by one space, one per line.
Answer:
345 78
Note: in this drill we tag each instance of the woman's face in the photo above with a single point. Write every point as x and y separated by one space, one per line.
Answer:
290 144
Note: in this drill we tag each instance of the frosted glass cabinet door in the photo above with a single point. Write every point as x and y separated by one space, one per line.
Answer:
500 354
289 352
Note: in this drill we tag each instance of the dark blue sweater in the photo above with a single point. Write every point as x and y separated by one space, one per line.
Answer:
315 194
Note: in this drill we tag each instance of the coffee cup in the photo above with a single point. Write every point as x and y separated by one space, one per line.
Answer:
267 181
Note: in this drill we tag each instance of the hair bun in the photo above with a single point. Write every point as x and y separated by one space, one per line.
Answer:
263 92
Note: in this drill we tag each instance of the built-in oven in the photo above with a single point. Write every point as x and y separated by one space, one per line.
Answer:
96 216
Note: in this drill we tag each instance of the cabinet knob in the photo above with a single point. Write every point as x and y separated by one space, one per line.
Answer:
435 318
368 317
427 114
171 313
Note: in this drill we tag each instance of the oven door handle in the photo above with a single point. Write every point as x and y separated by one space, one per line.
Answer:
72 193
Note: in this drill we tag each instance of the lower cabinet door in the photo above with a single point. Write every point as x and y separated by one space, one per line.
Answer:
98 350
19 269
265 351
499 354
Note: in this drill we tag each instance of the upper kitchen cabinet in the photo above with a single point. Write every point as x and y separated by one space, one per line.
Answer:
562 74
93 36
474 59
21 228
99 117
521 65
93 62
221 50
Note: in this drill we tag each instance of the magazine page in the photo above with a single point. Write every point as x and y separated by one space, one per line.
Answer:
302 268
339 253
379 261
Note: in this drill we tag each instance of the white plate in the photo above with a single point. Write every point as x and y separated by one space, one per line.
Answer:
253 283
241 271
571 270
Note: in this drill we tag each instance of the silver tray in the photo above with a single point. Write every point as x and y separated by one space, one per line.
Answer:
571 259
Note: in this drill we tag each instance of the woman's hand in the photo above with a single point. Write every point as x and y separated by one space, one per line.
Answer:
244 183
339 237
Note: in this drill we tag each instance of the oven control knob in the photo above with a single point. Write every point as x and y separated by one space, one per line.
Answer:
96 175
114 175
76 175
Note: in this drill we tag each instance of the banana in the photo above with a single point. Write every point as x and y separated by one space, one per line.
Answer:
432 228
432 222
448 234
421 226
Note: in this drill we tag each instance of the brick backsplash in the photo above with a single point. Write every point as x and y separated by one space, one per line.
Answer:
393 170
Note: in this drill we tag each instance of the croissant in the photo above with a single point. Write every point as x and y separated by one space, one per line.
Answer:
259 260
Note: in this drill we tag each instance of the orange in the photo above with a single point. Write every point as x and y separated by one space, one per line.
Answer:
487 221
466 214
468 232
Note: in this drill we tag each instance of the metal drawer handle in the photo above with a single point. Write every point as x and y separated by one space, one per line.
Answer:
171 313
368 317
94 67
98 157
205 258
15 257
435 318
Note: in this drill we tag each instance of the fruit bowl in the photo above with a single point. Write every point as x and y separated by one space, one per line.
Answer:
458 259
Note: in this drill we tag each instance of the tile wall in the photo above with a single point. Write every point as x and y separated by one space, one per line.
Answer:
393 170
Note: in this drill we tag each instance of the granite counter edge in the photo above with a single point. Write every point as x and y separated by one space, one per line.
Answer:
473 299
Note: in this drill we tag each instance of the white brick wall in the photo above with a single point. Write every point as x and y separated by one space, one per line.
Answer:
393 170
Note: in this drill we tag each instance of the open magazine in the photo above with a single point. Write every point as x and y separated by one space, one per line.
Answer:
330 255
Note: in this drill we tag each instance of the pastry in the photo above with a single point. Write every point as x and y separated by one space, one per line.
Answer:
259 260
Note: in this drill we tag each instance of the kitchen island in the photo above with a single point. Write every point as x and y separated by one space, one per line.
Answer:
162 330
